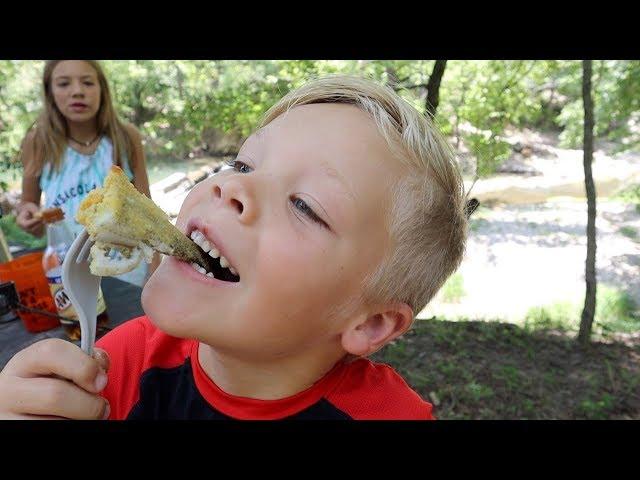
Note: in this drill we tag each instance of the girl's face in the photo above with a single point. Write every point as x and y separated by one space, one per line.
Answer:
76 90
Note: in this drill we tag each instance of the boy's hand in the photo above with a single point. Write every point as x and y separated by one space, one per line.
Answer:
53 379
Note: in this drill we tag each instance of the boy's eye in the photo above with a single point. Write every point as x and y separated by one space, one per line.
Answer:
239 166
306 210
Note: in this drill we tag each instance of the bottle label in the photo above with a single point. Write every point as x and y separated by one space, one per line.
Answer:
101 305
62 301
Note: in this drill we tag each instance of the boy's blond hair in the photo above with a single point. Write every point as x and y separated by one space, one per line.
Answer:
426 221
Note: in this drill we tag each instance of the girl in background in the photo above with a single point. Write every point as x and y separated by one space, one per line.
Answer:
72 145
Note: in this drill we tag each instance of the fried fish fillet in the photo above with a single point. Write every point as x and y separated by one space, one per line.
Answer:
118 217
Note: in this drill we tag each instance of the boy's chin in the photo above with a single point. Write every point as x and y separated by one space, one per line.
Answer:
165 316
163 309
161 283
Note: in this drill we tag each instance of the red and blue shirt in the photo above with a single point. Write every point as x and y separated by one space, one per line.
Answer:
156 376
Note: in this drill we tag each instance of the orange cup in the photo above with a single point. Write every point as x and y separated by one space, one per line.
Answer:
33 289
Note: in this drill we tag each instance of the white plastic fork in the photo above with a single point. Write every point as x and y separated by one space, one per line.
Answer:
81 286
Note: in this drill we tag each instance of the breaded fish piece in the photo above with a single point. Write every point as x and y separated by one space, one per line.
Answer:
119 217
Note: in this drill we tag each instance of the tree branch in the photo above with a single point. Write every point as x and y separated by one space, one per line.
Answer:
410 87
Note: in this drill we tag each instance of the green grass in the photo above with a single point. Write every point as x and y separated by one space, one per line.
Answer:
615 312
557 316
16 236
596 409
477 392
483 370
629 232
510 375
453 289
630 195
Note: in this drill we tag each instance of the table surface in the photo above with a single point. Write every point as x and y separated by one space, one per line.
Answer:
123 303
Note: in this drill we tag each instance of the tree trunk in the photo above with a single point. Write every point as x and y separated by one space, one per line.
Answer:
588 312
433 88
392 77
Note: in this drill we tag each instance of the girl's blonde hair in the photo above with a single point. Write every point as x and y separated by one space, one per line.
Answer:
426 219
51 130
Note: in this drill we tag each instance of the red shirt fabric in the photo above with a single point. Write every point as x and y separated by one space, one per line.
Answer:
153 375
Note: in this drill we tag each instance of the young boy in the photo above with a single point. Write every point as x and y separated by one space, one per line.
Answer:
342 216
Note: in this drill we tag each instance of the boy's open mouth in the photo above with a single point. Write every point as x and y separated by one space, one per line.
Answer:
222 269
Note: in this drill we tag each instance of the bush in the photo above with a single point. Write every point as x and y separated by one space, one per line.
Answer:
453 289
15 235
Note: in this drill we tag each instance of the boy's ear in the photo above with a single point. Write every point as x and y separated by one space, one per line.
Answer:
371 332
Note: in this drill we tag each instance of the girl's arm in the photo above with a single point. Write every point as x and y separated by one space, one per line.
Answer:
30 200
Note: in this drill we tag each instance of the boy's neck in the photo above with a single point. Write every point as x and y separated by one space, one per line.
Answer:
84 131
264 380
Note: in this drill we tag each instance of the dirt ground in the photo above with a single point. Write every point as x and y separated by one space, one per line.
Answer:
496 370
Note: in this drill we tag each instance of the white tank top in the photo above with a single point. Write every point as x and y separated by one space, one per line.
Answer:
78 175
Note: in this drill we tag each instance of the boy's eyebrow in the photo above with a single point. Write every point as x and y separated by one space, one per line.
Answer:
334 174
255 135
343 189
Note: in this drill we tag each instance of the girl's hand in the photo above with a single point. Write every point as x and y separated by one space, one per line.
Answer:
27 220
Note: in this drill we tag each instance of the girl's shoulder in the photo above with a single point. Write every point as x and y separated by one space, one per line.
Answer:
29 139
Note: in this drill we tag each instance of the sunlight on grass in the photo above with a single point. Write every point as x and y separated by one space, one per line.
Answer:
615 312
453 289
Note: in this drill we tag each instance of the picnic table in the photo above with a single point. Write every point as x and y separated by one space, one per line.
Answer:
123 303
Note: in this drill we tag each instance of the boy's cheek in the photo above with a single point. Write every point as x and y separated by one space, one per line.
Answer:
193 198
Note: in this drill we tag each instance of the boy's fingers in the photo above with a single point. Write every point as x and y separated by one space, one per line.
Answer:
24 416
60 358
53 397
102 358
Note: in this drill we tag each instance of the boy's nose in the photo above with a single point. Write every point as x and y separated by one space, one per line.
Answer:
236 196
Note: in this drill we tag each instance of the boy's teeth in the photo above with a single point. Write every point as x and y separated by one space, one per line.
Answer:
208 247
200 240
198 268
